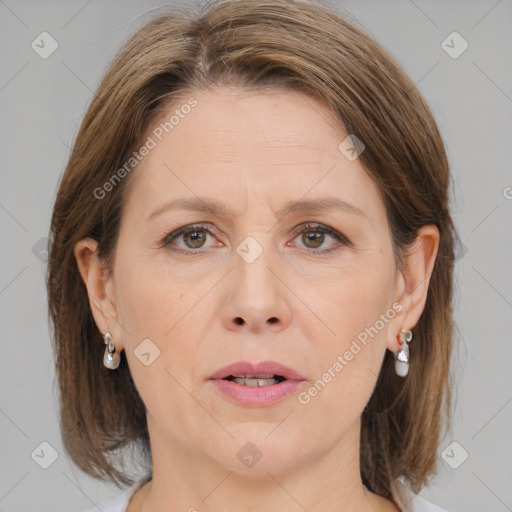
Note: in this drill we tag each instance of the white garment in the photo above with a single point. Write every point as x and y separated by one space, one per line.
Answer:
409 503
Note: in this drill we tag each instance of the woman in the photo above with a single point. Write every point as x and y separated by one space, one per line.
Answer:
250 277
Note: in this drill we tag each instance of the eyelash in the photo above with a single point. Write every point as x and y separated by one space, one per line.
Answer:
169 237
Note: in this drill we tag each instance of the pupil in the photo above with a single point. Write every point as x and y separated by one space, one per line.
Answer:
315 237
193 235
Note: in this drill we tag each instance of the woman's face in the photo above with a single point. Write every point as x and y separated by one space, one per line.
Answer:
248 287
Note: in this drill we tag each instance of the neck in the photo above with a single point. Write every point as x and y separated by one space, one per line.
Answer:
188 480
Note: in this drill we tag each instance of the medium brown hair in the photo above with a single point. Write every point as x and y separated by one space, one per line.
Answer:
301 46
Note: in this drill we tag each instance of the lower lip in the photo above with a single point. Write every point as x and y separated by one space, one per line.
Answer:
258 396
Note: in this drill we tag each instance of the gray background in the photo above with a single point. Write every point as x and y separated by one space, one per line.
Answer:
42 102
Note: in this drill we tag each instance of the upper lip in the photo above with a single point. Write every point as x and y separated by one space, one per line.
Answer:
263 368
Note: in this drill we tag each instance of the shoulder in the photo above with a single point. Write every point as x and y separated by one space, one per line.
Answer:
410 502
119 503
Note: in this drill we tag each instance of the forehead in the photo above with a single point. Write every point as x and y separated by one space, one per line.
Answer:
232 122
237 145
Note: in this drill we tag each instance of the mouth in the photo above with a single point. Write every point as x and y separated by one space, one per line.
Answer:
257 385
256 380
257 374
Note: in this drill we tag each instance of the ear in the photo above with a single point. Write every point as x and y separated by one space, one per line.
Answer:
100 289
413 282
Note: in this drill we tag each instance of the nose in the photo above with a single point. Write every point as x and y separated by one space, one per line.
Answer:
257 297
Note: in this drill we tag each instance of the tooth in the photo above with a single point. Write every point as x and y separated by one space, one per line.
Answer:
249 376
255 382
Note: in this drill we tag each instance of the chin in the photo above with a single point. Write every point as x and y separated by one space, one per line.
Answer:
258 449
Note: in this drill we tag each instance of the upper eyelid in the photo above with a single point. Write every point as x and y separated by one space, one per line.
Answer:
213 229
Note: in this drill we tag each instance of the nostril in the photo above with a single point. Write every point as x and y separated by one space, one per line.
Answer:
239 320
272 320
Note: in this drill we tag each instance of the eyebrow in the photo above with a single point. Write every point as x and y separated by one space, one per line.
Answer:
214 207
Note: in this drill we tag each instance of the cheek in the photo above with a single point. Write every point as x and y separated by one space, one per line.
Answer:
354 299
358 311
151 301
153 316
161 349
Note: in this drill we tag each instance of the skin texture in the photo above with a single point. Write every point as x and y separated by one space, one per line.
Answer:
254 151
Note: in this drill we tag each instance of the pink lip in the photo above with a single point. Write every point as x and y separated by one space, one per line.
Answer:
257 396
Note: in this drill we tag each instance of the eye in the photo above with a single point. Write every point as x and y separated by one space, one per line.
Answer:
193 236
313 236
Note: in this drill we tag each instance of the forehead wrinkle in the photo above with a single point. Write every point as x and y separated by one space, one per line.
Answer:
273 154
217 208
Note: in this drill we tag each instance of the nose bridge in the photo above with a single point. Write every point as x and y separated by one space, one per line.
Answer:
253 259
258 298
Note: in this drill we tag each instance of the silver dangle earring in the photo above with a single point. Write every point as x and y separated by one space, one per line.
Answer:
111 359
402 356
